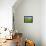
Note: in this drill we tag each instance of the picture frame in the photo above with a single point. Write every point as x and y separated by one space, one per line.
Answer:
28 19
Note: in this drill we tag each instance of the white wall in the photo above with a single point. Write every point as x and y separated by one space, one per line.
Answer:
6 13
30 30
43 22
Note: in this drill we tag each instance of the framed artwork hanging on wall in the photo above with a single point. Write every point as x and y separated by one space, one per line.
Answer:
28 19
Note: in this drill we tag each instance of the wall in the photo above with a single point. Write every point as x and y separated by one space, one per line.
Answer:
6 13
43 22
29 30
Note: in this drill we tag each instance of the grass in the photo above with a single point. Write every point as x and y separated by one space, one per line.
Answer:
28 20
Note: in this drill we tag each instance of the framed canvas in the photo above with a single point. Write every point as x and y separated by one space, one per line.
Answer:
28 19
